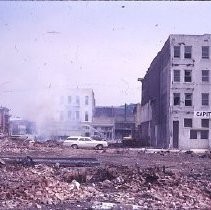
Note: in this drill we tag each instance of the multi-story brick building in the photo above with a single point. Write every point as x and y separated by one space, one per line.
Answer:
176 86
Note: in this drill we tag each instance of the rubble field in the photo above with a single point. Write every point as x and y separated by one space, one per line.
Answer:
125 179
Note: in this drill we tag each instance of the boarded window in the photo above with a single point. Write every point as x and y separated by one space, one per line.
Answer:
176 75
193 134
176 51
205 52
187 122
188 76
205 75
188 52
188 99
205 99
205 123
176 98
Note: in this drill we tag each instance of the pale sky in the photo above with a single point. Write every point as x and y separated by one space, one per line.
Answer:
105 46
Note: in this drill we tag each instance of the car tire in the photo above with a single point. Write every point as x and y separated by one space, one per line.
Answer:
74 146
99 147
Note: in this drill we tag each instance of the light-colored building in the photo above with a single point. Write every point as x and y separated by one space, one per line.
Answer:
4 121
176 94
73 111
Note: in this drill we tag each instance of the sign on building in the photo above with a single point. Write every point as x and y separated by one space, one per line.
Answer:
202 114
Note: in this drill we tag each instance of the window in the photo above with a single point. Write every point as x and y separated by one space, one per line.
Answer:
176 51
205 99
176 98
69 115
86 116
188 122
86 100
77 100
69 99
72 139
61 116
205 123
204 134
193 134
188 99
188 52
77 115
61 99
205 52
176 75
205 75
188 75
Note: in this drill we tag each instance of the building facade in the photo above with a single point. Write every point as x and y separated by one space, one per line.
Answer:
73 112
114 122
4 121
19 126
176 94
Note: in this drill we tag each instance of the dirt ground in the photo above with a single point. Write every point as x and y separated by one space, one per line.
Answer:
125 179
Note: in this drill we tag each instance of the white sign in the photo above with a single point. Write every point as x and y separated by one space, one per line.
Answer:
202 114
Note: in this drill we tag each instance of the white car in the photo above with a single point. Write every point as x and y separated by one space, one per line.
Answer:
84 142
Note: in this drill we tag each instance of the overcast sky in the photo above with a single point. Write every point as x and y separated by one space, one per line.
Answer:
105 46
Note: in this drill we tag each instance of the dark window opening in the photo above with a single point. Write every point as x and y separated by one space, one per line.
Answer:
204 134
176 98
205 99
205 75
176 51
188 122
86 116
193 134
176 75
205 52
188 99
205 123
188 77
188 52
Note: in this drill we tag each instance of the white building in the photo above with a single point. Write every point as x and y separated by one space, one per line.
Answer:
73 110
176 86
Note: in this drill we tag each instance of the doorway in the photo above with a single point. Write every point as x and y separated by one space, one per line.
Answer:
175 134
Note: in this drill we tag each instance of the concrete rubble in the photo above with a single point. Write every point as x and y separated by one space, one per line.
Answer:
108 186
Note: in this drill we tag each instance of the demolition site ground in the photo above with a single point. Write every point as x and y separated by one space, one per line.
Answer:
124 178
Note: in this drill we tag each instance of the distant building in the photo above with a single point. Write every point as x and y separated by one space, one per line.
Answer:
73 110
175 88
114 122
4 120
19 126
104 122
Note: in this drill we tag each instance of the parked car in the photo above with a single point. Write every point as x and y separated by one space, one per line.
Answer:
84 142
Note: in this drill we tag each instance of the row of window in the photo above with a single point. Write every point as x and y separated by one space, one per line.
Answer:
205 52
74 115
188 75
189 99
195 134
199 134
77 100
188 123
